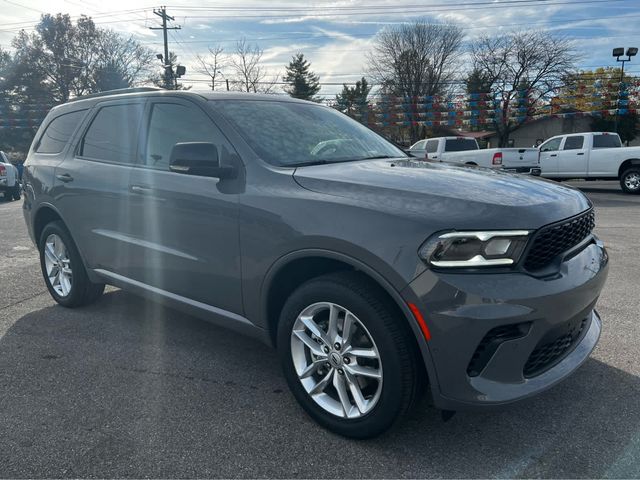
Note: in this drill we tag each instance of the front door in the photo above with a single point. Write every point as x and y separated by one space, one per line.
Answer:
187 225
572 159
549 157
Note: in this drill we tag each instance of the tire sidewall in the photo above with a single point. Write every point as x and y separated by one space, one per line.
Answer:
75 263
389 405
624 176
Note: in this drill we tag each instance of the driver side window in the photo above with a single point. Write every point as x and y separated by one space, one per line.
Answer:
172 123
552 145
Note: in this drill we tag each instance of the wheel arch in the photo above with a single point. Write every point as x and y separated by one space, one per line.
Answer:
626 164
297 267
44 215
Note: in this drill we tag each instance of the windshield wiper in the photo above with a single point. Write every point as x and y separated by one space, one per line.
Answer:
308 164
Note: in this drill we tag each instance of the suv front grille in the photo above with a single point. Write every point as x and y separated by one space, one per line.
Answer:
553 347
552 240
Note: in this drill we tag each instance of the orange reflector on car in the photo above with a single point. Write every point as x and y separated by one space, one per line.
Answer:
420 320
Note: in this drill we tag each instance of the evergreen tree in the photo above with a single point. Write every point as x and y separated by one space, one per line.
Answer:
353 100
303 83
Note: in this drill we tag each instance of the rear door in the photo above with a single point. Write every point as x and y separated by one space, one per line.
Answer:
549 157
187 225
572 158
606 154
92 185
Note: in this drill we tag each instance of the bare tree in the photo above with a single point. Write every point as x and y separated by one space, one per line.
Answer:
522 68
414 60
249 74
213 64
121 60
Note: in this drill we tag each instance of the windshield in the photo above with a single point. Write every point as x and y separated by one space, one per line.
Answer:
296 134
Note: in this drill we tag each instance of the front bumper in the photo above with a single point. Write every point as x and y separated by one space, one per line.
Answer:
535 171
546 328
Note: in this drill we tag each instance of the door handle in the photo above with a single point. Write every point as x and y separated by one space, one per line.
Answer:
64 177
581 153
553 155
140 189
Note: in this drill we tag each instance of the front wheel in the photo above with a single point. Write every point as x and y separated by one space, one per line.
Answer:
15 193
348 358
630 180
63 270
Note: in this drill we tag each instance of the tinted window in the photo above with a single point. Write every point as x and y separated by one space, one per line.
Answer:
288 133
58 132
551 146
606 141
113 134
573 143
460 145
173 123
432 146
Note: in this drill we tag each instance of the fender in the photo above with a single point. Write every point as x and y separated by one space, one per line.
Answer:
373 274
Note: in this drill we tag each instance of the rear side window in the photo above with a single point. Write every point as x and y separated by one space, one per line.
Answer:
432 146
113 134
460 145
573 143
59 131
606 141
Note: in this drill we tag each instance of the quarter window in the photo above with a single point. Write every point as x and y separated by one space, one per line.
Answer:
173 123
59 131
113 134
573 143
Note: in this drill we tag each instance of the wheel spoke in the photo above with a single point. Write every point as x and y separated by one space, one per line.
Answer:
65 284
309 342
354 387
49 254
341 387
313 327
362 352
361 371
347 328
312 368
332 329
322 384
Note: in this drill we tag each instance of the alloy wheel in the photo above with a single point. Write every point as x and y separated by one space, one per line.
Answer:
58 265
336 360
632 181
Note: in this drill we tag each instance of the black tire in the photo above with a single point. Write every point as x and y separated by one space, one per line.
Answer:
403 377
15 192
83 291
626 183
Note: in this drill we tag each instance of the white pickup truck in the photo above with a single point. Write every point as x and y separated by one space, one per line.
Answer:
593 155
9 182
465 150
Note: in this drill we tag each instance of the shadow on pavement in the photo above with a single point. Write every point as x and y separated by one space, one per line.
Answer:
127 388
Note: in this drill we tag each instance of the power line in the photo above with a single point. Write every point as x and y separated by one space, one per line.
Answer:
168 71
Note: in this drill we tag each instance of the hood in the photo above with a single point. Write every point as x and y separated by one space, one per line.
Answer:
458 197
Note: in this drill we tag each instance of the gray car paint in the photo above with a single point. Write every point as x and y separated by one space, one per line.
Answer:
372 215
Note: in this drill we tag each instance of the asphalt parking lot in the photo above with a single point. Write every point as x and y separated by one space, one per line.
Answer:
126 388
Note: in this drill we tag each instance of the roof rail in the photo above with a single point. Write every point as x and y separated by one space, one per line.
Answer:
116 92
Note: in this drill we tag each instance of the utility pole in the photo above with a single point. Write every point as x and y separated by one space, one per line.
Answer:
168 72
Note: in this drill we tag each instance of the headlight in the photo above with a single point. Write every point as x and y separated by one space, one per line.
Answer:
474 249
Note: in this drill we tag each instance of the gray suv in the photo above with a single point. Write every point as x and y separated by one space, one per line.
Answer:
373 274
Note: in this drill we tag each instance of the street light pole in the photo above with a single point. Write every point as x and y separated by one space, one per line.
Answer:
619 52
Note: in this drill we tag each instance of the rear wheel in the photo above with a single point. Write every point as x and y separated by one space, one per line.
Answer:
15 193
349 360
630 180
63 270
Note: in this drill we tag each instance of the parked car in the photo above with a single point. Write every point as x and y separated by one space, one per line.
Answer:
9 181
465 150
371 272
591 155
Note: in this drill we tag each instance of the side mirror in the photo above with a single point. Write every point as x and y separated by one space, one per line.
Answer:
198 158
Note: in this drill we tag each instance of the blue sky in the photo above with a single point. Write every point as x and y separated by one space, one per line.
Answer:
335 36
